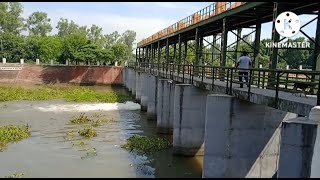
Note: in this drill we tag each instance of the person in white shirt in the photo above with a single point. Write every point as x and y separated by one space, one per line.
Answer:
244 63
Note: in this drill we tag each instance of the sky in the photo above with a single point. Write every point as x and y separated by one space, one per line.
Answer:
145 18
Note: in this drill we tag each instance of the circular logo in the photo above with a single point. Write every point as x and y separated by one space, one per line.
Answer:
287 24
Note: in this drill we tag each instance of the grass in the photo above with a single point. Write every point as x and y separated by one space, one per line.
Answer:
12 133
71 94
88 132
143 144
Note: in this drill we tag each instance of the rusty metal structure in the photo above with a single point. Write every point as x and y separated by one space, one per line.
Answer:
154 53
216 20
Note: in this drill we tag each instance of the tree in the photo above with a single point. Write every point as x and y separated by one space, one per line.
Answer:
51 48
39 24
112 39
87 53
72 44
295 57
120 51
128 38
106 56
10 17
96 36
14 47
33 47
65 28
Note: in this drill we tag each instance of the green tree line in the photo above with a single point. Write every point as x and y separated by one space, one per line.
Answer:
75 43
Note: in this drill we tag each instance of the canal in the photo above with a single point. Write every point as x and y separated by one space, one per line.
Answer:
49 153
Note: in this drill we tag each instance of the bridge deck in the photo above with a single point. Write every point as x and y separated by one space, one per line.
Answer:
240 17
286 101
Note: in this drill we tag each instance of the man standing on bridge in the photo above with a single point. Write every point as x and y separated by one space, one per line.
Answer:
244 63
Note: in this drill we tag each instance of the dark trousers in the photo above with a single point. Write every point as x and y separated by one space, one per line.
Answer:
245 74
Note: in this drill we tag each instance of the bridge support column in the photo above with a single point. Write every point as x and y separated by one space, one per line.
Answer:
241 138
144 91
133 82
297 147
124 77
138 86
189 120
152 97
131 79
314 115
166 89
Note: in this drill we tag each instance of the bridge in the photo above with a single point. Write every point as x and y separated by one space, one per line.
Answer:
217 20
208 113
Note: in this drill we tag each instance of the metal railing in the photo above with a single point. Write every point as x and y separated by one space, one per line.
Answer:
203 14
277 80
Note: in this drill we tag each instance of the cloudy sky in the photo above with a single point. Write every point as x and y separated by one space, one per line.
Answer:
144 18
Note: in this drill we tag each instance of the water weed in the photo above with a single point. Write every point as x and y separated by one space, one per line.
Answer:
143 144
81 119
12 133
74 94
91 153
88 132
15 175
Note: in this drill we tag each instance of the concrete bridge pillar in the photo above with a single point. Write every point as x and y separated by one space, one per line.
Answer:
165 99
132 83
124 77
189 120
297 146
128 84
138 86
315 166
300 147
241 138
152 97
144 91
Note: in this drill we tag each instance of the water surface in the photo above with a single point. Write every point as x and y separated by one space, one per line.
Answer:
48 154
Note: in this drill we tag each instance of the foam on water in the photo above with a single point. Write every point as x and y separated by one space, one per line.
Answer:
85 107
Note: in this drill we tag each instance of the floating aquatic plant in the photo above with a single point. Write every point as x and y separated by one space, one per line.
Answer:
88 132
144 144
81 119
92 152
12 133
98 115
15 175
74 93
99 122
80 143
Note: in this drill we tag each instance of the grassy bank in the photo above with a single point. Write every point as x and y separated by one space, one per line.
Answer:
74 94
